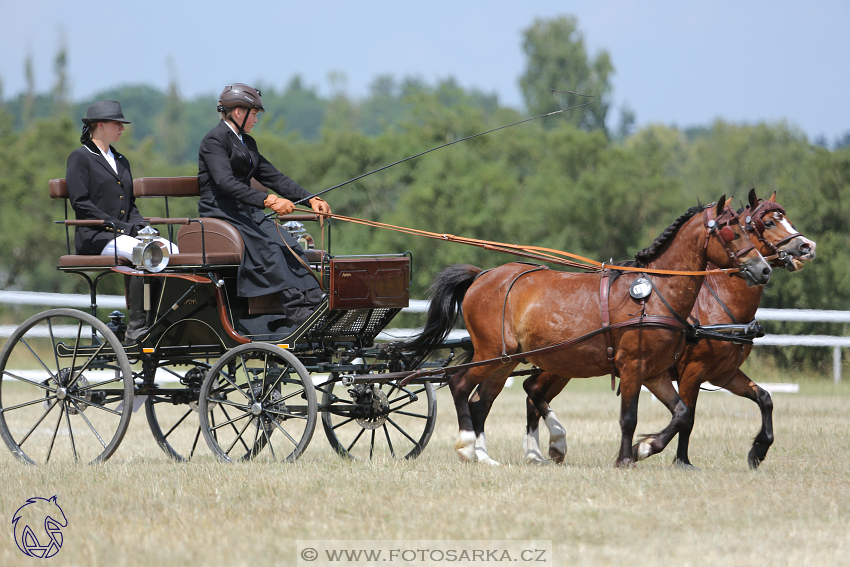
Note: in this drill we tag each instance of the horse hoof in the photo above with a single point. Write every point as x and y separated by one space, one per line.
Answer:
641 451
684 466
465 446
489 461
534 458
557 457
625 464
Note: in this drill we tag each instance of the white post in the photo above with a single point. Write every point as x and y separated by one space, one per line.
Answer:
836 364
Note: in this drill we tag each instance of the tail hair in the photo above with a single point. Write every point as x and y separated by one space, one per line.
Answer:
446 295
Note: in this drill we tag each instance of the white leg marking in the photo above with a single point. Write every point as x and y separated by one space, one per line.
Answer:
531 447
644 451
465 446
481 451
557 438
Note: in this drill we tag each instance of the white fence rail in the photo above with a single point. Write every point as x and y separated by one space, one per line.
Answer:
421 306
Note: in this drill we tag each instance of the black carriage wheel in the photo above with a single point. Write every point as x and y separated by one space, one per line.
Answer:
258 400
363 421
173 419
66 392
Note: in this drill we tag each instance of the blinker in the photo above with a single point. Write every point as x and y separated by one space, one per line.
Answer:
727 234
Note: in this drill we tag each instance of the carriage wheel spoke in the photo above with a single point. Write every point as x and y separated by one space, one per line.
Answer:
96 434
253 398
29 403
372 444
402 431
55 431
279 426
30 382
390 443
269 440
71 434
223 374
286 414
37 358
239 437
195 444
94 405
341 423
238 433
362 430
419 415
179 421
37 423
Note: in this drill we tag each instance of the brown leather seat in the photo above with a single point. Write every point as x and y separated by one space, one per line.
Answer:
221 242
81 261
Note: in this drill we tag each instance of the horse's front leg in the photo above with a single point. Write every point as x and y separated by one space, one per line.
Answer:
741 385
662 388
630 396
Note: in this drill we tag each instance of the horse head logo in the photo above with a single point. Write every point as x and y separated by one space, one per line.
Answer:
38 527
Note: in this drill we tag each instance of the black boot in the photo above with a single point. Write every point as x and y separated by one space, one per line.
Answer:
140 320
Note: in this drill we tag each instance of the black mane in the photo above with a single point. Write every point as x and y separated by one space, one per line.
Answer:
643 257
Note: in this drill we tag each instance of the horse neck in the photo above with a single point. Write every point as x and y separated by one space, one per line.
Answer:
741 300
685 253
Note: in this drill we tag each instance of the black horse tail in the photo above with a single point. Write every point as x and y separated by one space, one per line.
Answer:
446 295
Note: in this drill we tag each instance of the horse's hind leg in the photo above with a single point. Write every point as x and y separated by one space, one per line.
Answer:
461 385
479 407
541 390
741 385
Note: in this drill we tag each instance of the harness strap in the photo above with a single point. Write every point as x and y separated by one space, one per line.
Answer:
720 301
645 321
605 312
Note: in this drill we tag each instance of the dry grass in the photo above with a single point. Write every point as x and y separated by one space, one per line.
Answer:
141 509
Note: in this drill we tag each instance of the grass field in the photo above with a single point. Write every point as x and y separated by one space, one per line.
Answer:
141 509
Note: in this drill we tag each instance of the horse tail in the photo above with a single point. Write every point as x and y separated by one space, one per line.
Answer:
446 295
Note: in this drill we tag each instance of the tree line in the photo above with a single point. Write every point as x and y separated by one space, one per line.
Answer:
567 182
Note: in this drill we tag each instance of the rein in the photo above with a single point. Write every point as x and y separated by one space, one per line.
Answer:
534 252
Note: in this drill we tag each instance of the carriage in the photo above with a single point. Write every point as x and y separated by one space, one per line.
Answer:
71 383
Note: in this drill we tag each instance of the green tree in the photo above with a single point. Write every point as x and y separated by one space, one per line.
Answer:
557 59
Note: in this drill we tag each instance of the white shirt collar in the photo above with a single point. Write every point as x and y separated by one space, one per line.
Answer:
232 129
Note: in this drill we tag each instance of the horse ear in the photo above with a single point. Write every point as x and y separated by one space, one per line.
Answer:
721 204
729 201
752 198
773 197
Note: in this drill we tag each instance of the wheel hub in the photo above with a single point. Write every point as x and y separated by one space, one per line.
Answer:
375 403
256 408
70 397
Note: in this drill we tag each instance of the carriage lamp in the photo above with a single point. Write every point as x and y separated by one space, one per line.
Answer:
297 231
148 254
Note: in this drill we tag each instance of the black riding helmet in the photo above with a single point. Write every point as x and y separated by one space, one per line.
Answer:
240 94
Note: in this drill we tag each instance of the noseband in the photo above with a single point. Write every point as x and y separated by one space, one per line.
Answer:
720 227
753 223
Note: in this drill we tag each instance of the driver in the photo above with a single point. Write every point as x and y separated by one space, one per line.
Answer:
227 161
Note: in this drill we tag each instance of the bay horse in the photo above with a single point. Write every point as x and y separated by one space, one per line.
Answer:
721 300
556 320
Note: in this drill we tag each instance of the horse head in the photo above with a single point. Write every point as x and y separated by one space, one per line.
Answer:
767 222
728 246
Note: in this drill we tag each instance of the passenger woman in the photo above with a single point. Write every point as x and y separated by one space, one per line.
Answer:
227 161
100 187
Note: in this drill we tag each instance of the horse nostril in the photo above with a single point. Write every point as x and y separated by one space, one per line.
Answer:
766 272
805 248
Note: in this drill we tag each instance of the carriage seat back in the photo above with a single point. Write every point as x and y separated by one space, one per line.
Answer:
219 239
58 189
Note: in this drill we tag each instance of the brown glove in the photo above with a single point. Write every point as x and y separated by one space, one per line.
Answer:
320 205
279 205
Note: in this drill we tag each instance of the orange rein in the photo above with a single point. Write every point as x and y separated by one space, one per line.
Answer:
534 252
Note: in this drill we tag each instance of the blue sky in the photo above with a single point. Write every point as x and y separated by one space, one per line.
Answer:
682 63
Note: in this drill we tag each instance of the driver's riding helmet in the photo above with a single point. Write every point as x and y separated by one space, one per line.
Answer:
240 94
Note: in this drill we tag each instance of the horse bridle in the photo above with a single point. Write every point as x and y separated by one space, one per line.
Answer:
720 227
753 223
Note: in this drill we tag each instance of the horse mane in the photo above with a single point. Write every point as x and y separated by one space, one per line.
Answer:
643 257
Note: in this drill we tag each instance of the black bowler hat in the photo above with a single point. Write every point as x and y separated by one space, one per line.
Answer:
104 111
